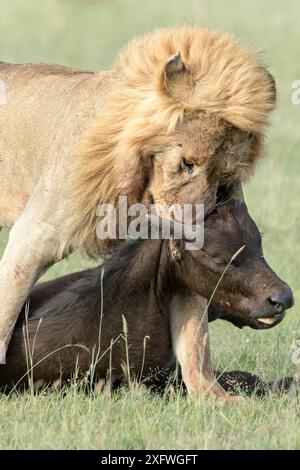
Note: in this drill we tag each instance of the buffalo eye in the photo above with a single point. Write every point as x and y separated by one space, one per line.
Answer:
187 166
221 263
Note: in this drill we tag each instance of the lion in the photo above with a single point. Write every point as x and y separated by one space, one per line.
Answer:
179 119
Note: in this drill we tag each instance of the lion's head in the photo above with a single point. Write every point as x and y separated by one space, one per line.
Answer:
185 116
203 153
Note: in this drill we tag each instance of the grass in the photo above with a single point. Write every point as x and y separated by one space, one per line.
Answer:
136 420
88 34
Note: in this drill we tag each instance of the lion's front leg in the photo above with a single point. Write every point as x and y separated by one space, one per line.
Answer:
189 330
28 252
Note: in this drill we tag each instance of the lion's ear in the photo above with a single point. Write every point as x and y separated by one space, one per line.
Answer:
174 74
272 86
173 67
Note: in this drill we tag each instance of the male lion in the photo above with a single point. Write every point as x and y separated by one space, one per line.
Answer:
181 115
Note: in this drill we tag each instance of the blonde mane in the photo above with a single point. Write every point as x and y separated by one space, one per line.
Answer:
221 78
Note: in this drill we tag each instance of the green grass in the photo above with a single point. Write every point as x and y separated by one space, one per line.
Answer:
136 420
88 34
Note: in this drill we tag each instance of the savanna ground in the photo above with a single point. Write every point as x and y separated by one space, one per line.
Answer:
88 34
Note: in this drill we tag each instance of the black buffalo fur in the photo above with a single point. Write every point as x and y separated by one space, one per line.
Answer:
117 316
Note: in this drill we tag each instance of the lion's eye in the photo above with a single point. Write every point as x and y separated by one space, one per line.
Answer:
187 166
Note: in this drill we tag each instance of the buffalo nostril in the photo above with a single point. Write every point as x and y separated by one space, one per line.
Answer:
283 299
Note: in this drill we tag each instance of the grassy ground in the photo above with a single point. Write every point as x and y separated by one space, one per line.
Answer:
88 34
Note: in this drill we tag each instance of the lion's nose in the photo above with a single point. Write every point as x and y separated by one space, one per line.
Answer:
283 299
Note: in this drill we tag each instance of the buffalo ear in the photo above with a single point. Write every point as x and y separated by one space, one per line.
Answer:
237 192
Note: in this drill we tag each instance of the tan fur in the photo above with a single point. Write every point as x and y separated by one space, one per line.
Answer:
150 99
